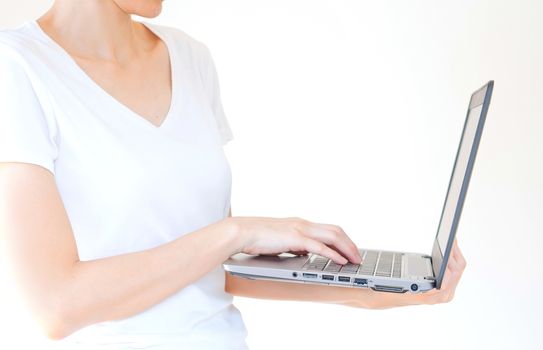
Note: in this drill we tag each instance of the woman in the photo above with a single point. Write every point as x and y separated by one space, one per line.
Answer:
116 192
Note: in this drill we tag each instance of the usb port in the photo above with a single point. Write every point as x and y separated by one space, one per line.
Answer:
344 279
310 275
361 281
328 277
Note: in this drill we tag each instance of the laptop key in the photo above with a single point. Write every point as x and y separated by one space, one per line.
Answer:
369 262
384 266
315 263
332 267
397 269
350 268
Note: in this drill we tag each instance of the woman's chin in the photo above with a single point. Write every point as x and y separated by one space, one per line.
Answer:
149 12
142 8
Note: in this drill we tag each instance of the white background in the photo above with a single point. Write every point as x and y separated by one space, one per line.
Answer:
350 112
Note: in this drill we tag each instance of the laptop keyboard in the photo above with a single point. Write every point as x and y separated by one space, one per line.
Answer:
374 263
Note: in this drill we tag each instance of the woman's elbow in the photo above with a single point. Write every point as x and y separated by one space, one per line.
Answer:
59 321
56 325
55 332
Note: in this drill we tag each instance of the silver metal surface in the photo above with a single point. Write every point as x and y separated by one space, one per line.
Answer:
289 268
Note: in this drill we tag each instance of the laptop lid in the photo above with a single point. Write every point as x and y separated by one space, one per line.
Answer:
461 174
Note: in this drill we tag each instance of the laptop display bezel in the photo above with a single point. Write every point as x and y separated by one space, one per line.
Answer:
439 259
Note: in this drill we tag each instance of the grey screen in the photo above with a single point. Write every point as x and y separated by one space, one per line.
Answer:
459 172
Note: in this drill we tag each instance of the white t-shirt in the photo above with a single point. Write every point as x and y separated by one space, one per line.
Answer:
127 185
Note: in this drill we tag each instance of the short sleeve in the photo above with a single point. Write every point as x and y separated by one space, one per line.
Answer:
212 86
27 133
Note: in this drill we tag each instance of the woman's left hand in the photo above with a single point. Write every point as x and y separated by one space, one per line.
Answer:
455 268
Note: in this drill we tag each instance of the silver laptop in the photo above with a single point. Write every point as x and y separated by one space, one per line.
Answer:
386 271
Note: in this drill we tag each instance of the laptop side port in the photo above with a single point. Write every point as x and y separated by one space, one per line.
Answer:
328 277
361 281
344 279
310 275
389 289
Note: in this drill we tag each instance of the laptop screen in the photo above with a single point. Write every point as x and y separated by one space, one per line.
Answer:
461 174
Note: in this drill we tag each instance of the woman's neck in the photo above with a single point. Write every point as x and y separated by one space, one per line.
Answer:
96 29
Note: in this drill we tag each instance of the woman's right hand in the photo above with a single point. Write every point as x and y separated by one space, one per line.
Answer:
264 236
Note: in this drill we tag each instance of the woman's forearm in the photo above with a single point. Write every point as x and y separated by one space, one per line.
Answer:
354 297
124 285
262 289
64 293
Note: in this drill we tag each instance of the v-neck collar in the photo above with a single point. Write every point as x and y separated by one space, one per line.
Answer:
133 115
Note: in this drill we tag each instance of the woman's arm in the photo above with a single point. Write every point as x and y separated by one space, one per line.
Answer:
66 294
364 298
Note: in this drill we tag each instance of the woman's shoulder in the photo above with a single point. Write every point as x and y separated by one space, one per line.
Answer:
17 39
13 49
20 45
23 56
182 40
